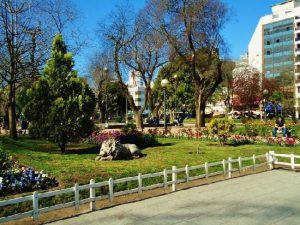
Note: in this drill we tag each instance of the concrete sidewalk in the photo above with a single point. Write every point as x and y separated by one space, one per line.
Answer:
267 198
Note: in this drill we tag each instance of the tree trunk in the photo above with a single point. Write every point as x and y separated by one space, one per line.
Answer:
139 120
62 147
12 112
102 114
200 112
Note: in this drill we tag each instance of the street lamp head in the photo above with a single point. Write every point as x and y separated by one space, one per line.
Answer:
105 69
175 76
265 92
164 83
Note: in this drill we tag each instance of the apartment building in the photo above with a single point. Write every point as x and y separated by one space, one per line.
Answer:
274 49
136 88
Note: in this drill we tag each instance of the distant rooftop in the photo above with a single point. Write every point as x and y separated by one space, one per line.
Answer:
282 3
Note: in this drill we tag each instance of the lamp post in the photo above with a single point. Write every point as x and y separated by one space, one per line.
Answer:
175 78
164 84
126 116
265 93
105 70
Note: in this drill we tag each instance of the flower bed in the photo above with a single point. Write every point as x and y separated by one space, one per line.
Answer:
232 139
17 179
142 140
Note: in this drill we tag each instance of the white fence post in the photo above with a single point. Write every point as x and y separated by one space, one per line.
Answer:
229 168
240 164
92 195
253 159
76 195
224 166
174 178
206 169
271 159
165 178
35 205
111 189
140 181
293 161
187 173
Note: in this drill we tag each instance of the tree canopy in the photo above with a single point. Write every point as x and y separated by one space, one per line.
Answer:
60 103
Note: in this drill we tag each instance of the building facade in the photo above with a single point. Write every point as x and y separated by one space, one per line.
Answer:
136 88
274 49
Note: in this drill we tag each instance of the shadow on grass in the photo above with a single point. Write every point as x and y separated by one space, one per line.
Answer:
91 150
164 144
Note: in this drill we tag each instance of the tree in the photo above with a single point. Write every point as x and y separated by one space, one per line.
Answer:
25 42
179 92
14 46
101 75
135 46
246 90
225 91
193 30
61 104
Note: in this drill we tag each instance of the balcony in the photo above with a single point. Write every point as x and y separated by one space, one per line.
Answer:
297 19
297 40
297 30
297 51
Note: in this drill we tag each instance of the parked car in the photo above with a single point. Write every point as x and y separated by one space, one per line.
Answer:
235 115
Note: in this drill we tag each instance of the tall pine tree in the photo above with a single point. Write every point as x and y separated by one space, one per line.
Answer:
60 103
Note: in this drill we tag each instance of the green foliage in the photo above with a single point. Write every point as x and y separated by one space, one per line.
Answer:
221 127
61 104
146 140
5 160
129 129
251 130
179 92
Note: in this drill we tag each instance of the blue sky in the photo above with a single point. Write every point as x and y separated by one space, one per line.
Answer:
237 33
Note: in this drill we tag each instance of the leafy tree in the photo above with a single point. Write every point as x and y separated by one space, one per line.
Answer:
193 31
61 104
246 90
134 45
179 92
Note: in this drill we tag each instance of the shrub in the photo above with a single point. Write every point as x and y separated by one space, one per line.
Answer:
251 130
146 140
221 127
129 129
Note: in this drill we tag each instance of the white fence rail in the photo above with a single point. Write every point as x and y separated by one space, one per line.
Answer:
225 167
291 162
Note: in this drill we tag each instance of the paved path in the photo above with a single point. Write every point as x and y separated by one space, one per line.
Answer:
266 198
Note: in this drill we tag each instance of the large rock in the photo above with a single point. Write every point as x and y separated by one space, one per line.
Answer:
134 150
113 150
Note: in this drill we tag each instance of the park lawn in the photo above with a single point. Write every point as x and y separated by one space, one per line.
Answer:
78 165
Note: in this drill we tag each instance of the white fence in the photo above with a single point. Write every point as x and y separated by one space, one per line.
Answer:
168 177
274 158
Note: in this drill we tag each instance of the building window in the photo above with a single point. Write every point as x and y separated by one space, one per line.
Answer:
268 43
277 41
298 89
268 52
287 28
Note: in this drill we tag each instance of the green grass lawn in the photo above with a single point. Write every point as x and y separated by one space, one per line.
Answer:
78 165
